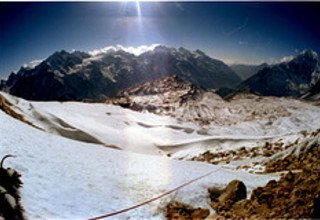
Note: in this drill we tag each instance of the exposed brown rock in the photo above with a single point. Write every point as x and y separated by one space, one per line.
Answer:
180 211
307 159
267 150
295 195
225 198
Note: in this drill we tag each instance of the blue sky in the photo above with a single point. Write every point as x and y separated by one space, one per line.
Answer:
236 32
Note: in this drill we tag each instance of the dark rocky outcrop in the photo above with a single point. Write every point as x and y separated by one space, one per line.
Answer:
10 183
224 199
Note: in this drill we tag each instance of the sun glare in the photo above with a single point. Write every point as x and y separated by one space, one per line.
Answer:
138 9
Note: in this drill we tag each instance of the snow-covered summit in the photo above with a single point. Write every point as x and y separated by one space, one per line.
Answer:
310 53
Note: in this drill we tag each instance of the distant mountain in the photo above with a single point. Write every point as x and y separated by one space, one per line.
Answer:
172 96
164 94
245 71
80 76
175 97
294 78
313 94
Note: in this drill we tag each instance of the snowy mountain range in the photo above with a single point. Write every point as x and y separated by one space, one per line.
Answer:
294 78
78 75
99 74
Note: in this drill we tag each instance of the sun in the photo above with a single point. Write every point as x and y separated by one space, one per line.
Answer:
133 6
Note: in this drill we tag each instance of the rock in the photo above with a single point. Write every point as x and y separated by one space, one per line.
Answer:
180 211
225 198
294 195
289 177
188 130
316 208
214 193
235 191
267 153
202 132
200 213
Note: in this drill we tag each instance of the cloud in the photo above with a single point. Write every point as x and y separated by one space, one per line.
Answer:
134 50
273 60
32 64
286 59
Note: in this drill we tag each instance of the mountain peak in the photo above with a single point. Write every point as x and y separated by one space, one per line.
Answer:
162 48
310 53
307 60
58 54
306 55
183 50
200 52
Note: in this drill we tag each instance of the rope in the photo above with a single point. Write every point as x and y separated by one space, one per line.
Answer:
153 199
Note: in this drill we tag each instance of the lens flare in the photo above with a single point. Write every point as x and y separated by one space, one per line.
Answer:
140 24
138 9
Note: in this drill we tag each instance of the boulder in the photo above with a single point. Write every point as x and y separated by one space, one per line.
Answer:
223 199
180 211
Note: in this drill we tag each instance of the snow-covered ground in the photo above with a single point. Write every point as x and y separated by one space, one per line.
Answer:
68 179
71 169
148 133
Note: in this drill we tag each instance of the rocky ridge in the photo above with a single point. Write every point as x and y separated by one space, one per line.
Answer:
176 97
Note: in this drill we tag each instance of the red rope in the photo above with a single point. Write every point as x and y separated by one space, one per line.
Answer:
153 199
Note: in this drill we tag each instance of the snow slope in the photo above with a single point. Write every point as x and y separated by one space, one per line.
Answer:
68 179
148 133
